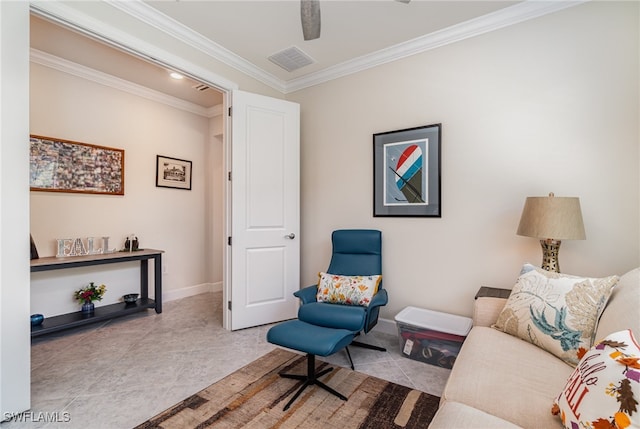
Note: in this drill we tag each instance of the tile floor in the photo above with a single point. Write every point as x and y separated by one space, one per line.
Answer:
120 373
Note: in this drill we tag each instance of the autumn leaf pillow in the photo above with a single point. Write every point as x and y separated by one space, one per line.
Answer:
557 312
604 389
349 290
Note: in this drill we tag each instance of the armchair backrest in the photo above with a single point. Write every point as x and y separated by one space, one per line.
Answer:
356 252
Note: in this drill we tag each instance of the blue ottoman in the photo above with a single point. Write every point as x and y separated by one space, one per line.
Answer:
314 341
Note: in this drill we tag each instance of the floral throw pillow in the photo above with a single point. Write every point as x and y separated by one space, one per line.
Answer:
556 312
349 290
604 389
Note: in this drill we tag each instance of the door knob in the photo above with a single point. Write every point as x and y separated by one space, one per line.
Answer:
290 236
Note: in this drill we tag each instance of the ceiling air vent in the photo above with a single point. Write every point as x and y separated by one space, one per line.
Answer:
291 59
200 87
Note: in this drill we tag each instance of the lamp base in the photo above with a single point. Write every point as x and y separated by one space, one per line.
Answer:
550 250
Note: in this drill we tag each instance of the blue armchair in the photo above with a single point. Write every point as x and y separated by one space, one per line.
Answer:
355 252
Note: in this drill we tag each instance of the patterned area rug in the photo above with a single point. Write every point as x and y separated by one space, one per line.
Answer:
253 397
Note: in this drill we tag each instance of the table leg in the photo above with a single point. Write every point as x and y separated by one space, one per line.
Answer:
157 277
144 279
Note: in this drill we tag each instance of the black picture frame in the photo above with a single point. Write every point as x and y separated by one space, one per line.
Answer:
173 173
406 172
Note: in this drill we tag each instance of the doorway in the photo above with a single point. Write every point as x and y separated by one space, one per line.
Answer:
283 113
61 49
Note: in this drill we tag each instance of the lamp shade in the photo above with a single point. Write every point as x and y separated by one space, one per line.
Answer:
558 218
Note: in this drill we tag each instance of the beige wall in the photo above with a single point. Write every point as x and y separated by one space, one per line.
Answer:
547 105
72 108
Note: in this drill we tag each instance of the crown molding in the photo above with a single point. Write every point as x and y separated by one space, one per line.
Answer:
214 111
520 12
105 79
156 19
526 10
68 16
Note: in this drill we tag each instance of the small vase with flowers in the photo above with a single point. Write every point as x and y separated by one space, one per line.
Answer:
88 294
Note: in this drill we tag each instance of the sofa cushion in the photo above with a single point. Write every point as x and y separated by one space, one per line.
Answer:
557 312
349 290
621 311
507 377
604 389
460 416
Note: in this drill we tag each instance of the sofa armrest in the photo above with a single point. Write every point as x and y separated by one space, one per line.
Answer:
488 305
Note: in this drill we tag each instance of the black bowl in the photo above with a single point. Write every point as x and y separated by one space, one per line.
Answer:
130 298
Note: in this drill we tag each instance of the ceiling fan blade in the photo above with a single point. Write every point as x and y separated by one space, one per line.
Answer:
310 17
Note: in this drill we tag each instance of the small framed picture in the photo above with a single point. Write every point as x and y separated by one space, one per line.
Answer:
173 173
406 172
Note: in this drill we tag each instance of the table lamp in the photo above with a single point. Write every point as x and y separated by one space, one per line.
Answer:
551 219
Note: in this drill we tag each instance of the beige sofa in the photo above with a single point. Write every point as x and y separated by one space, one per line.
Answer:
500 381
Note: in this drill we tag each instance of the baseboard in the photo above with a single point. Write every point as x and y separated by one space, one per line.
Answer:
216 287
173 294
386 326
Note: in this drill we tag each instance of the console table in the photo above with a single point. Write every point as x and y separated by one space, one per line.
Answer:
106 312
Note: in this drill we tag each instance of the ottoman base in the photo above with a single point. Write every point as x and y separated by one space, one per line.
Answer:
311 379
312 340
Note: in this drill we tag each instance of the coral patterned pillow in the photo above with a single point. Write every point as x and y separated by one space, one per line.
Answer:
350 290
604 389
556 312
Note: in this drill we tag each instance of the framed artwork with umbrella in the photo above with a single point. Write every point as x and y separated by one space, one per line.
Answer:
406 172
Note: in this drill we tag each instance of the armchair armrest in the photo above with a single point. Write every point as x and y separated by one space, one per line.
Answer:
488 304
379 299
307 294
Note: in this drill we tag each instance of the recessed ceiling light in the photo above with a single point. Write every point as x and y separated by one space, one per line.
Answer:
175 75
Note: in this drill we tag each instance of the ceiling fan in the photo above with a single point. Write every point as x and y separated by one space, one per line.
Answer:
310 17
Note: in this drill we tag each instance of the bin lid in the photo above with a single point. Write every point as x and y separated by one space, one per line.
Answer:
435 320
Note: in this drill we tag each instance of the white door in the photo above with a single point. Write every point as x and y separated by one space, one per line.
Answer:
265 210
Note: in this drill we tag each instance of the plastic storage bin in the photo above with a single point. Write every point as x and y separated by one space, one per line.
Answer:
431 336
